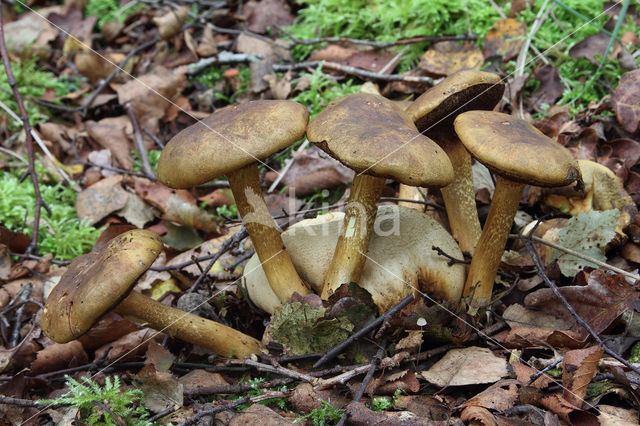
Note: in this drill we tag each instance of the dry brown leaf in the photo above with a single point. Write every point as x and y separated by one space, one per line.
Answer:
447 57
333 53
526 337
280 86
150 95
217 198
568 412
404 381
207 46
109 328
31 31
478 415
94 66
472 365
258 415
359 415
111 134
500 396
170 23
58 356
136 211
101 199
161 390
617 416
517 315
159 357
593 47
578 368
129 346
504 39
266 14
626 101
551 87
198 378
524 374
411 343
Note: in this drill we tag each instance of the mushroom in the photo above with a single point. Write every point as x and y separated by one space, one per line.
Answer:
373 136
231 142
433 113
101 281
400 253
518 154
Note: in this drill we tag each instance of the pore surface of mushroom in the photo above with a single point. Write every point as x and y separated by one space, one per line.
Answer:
400 252
231 142
373 136
101 281
518 154
433 113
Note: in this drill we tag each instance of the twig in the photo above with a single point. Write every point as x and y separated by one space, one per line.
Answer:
239 260
153 137
367 75
232 390
367 379
578 255
452 260
223 57
534 377
336 350
21 297
540 267
161 414
17 401
377 44
146 166
287 166
33 245
281 370
106 408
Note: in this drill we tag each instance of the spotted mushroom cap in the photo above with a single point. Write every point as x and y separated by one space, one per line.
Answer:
513 148
96 282
462 91
370 134
229 139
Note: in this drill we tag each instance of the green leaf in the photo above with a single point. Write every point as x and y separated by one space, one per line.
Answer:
588 234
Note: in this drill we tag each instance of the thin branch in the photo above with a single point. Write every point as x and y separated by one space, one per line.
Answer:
146 166
336 350
363 74
33 245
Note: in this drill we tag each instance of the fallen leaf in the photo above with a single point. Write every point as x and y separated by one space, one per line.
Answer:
136 211
198 379
594 46
578 368
280 86
207 46
111 134
170 23
109 328
159 357
129 346
504 39
517 315
101 199
161 390
258 415
626 101
94 66
610 415
411 343
267 14
588 234
467 366
58 356
404 381
524 374
359 415
568 412
478 415
447 57
31 31
551 87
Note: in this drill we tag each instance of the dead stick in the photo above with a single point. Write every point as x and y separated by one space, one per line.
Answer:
540 267
336 350
146 166
31 171
354 71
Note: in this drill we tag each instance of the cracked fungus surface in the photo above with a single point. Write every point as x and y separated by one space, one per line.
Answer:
229 139
515 149
96 282
370 134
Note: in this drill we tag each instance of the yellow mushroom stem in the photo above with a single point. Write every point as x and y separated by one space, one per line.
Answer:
191 328
407 192
353 242
459 196
282 276
486 259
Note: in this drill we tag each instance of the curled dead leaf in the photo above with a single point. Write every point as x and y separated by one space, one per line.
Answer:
447 57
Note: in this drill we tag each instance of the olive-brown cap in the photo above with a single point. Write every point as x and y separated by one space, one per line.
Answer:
462 91
370 134
96 282
515 149
229 139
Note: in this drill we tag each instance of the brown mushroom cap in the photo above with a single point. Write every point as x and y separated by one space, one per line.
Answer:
96 282
462 91
515 149
370 134
229 139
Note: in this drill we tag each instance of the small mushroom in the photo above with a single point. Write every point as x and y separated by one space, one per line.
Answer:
231 142
400 252
518 154
373 136
101 281
433 113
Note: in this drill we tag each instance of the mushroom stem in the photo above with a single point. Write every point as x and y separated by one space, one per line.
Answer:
459 196
353 243
407 192
219 338
282 276
486 259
